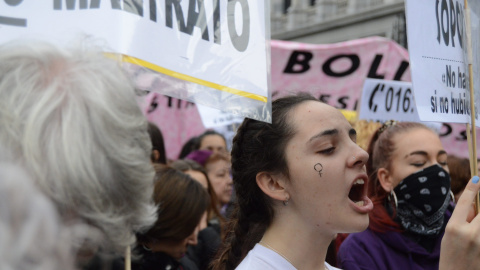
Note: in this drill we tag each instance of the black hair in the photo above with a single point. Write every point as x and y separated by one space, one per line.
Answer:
257 147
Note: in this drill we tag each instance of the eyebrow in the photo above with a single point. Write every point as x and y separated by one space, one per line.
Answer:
326 133
423 153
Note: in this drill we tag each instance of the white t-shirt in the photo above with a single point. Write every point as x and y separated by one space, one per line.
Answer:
263 258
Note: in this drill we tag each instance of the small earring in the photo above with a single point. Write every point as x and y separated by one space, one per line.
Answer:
285 203
453 196
392 194
354 158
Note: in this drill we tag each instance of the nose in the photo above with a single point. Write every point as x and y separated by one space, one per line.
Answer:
360 157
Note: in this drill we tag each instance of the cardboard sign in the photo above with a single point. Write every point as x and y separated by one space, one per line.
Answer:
437 46
209 52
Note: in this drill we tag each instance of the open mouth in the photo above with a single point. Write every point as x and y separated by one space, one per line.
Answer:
357 192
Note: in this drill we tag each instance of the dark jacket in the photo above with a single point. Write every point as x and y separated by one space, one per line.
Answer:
391 250
208 244
156 261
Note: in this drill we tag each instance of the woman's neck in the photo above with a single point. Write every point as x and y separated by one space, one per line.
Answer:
302 246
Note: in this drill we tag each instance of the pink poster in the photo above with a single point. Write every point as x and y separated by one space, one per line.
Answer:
334 73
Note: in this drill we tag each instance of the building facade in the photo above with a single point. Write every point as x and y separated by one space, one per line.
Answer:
331 21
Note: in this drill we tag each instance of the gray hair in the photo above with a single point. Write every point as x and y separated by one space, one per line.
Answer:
32 234
71 119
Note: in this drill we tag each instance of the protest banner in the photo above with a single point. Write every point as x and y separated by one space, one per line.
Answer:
373 57
209 52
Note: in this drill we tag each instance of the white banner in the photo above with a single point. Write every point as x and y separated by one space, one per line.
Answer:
212 52
437 46
213 118
384 100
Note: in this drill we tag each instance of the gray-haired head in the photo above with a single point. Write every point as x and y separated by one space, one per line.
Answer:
32 234
70 118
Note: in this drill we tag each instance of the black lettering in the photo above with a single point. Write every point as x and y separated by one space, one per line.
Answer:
453 22
459 11
70 4
372 73
353 58
298 59
13 2
401 70
116 4
343 102
217 37
197 19
446 34
133 6
240 42
448 130
153 10
462 136
324 98
438 21
178 13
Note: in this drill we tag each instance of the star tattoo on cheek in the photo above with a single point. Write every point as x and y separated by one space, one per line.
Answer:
319 168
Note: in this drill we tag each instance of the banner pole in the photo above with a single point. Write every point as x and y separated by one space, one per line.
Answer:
472 129
128 261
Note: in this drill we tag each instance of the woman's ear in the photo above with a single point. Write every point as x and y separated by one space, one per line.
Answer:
155 155
385 179
273 186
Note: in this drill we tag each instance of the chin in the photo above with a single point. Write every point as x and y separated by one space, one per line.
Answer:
358 224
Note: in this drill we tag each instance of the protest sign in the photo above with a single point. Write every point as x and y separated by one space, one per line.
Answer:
384 100
437 47
374 57
213 118
209 52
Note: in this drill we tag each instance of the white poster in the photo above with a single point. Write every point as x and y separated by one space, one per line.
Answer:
213 118
384 100
212 52
437 46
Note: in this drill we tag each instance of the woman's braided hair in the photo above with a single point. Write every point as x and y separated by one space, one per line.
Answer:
257 147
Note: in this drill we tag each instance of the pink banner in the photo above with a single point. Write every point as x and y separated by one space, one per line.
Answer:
334 73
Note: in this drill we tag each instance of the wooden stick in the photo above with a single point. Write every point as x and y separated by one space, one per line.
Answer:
128 261
473 137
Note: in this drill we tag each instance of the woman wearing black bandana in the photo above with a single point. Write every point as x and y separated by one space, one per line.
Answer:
410 189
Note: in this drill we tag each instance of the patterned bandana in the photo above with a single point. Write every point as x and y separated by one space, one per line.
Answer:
423 198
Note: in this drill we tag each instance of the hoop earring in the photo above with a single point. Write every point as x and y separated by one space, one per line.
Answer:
394 196
453 196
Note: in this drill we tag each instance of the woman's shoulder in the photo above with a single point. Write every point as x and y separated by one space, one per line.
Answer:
263 258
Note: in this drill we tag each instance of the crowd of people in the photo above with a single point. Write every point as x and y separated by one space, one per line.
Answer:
85 177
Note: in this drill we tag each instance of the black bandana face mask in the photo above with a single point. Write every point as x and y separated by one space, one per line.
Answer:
423 198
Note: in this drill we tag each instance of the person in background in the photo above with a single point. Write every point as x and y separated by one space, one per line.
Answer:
218 167
410 189
158 146
188 147
212 141
209 237
181 203
459 169
69 117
